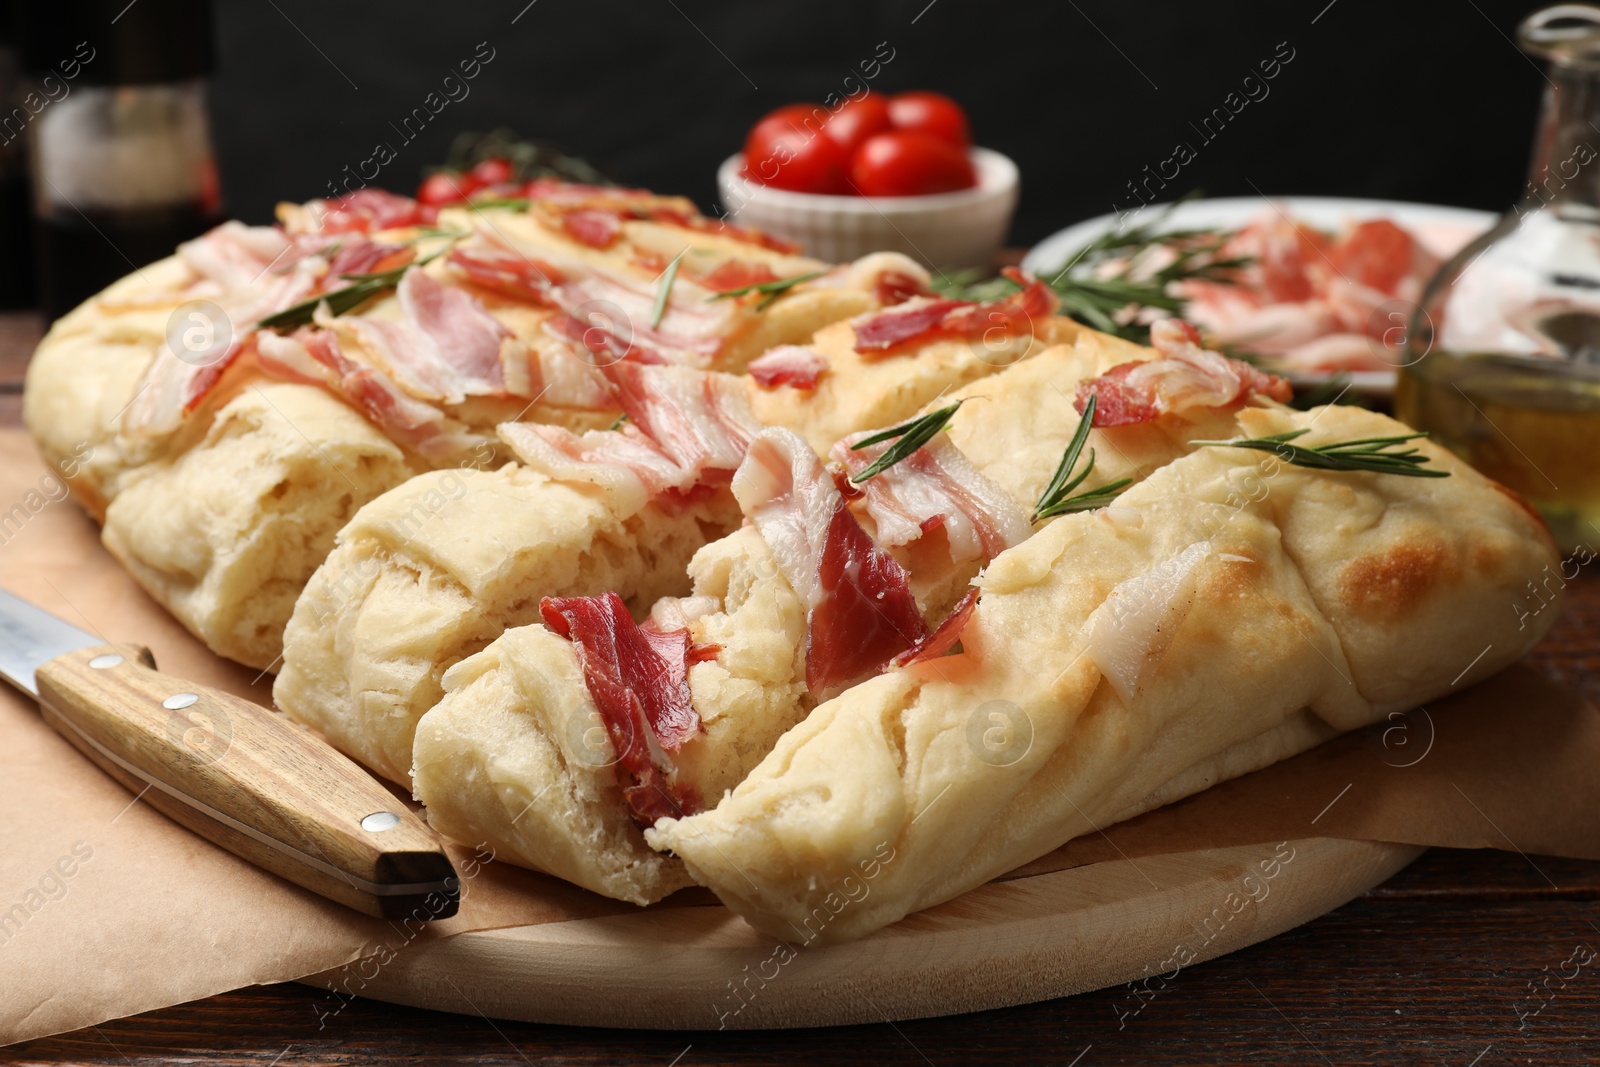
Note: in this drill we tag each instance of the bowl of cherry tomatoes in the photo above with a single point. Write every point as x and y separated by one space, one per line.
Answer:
877 173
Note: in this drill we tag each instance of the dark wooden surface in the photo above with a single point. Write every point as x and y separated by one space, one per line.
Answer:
1443 964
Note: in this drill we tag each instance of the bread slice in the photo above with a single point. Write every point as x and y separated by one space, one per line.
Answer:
225 534
1227 612
526 694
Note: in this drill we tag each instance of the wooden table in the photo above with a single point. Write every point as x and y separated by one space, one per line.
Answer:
1430 967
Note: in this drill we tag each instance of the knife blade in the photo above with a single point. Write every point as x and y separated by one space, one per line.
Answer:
238 774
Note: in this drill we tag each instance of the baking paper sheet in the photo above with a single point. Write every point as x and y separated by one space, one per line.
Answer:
107 909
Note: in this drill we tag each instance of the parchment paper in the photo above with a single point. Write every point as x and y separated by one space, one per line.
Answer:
107 909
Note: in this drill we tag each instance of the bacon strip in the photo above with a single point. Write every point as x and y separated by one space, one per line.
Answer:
700 419
508 274
671 216
794 365
234 255
860 611
638 681
936 486
1010 316
609 313
597 229
1187 376
736 274
234 258
357 255
365 211
445 348
625 463
944 637
687 430
313 356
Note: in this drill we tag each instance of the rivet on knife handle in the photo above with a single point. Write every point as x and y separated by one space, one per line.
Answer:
245 778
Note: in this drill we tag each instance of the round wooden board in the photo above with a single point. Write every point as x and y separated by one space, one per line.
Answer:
1009 942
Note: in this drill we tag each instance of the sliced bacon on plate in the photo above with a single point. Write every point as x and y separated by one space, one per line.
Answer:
637 680
923 321
936 486
794 365
444 347
1186 376
860 611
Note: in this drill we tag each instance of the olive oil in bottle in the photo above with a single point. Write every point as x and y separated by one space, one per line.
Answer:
1502 361
1526 427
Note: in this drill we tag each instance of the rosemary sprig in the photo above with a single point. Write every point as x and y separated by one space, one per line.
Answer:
1110 303
910 437
363 288
1362 454
770 290
664 290
429 233
507 203
1057 498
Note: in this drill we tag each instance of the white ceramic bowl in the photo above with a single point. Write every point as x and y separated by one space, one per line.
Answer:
960 229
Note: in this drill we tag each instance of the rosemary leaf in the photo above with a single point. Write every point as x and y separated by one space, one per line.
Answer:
908 437
770 290
1111 302
363 287
664 290
1056 498
1086 501
1373 454
504 203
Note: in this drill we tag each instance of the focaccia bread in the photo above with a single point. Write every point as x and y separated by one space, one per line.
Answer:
364 663
1227 612
492 314
517 753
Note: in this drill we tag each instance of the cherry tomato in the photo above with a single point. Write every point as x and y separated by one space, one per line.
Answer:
858 120
931 113
908 163
445 187
492 171
787 150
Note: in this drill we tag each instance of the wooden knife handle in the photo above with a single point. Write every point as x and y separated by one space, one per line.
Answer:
249 780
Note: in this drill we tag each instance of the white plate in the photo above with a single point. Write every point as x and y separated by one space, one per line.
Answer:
1441 229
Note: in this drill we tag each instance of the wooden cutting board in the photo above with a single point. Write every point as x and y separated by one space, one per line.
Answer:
694 965
1010 942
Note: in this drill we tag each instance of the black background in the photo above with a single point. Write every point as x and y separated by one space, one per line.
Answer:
1416 101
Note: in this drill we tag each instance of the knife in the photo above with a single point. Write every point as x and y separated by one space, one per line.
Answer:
234 772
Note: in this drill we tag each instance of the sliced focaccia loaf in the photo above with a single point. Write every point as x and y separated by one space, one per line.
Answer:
337 674
532 748
196 378
1230 610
